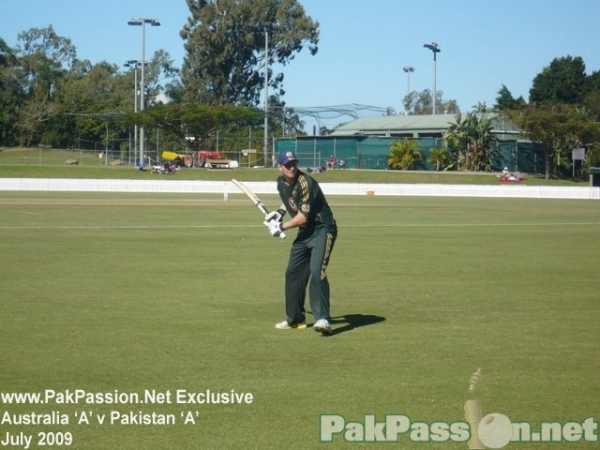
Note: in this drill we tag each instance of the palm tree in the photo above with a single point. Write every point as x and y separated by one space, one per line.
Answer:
403 155
438 156
472 142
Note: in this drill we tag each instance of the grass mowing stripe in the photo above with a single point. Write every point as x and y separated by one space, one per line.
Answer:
418 225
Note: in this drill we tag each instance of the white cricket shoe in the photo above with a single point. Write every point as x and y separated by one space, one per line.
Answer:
322 326
286 326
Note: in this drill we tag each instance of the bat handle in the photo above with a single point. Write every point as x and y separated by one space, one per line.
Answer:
282 235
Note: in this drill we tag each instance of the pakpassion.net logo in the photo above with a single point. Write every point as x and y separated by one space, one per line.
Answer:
494 430
393 428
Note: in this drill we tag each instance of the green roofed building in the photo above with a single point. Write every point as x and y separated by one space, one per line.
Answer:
364 143
429 126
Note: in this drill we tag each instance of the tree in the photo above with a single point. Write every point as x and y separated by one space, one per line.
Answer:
12 94
44 41
51 97
438 156
591 98
292 124
225 44
506 101
561 82
192 124
403 155
159 67
283 118
43 57
416 103
558 128
87 93
42 77
390 111
472 142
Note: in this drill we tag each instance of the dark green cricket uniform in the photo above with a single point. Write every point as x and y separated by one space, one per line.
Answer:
310 252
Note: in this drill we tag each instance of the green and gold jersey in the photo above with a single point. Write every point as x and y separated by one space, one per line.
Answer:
306 197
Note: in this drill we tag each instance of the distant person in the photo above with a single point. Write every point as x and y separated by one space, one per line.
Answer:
330 162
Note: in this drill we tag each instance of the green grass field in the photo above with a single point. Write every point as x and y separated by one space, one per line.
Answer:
46 163
128 293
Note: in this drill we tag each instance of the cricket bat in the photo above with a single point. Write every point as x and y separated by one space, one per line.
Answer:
254 199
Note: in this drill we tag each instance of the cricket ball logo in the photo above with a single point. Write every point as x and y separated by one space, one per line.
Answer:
492 431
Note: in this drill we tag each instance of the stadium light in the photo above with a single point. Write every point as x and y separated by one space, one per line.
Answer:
142 23
266 142
408 70
435 49
135 64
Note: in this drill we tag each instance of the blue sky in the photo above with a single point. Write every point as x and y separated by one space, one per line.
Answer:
363 44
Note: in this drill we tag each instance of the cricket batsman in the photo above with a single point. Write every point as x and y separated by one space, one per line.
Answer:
303 199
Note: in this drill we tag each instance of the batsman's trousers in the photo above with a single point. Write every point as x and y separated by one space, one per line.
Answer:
307 267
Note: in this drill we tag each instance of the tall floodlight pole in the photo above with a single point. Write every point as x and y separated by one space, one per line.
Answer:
435 49
134 63
142 23
266 143
408 70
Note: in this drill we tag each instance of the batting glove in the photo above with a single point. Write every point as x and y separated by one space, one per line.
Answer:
275 215
275 228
